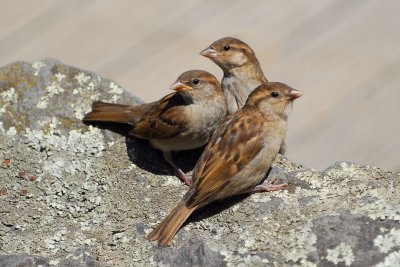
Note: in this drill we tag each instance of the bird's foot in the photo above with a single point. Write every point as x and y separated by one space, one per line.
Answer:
184 178
179 173
269 187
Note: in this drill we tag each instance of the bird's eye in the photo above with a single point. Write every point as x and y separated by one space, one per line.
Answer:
227 47
274 94
196 81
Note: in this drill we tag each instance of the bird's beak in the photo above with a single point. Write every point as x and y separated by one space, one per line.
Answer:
209 52
180 87
294 94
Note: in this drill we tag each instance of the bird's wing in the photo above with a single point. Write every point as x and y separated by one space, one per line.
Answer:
237 141
165 119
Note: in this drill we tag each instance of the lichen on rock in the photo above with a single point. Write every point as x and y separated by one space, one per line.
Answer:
77 195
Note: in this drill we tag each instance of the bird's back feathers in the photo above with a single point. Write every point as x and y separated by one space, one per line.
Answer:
233 146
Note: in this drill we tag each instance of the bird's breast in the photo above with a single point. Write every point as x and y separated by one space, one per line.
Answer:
236 91
180 142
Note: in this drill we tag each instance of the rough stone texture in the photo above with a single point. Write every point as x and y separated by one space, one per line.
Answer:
75 195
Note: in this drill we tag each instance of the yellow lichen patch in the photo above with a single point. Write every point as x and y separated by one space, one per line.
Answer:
16 77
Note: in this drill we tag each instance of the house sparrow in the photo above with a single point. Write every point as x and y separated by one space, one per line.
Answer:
242 71
238 156
183 120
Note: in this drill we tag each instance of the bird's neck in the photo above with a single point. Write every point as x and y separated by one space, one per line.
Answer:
249 71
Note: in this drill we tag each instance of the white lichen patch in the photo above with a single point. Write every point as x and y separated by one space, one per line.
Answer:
50 124
80 112
298 243
233 259
383 208
171 180
82 78
42 103
204 225
261 197
249 242
305 263
54 167
54 262
95 96
313 178
53 125
53 242
114 98
75 166
339 185
87 89
387 242
90 142
53 89
37 66
342 253
110 144
60 76
346 170
115 89
9 96
393 259
11 132
95 200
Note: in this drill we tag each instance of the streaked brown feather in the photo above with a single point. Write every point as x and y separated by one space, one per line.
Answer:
166 230
225 156
165 119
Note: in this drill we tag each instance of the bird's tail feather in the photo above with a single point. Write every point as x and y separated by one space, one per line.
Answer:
110 112
167 229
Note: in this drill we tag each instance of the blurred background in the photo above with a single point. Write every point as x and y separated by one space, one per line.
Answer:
344 55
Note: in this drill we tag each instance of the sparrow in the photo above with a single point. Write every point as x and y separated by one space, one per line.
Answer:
238 157
242 71
183 120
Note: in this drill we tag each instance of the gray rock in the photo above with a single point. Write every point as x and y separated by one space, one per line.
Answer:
75 195
23 260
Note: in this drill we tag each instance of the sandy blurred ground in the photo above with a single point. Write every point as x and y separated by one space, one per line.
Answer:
344 55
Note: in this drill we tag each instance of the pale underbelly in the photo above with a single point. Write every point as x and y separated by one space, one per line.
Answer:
178 143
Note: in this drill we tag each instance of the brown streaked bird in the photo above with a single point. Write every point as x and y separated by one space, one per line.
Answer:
238 156
242 71
183 120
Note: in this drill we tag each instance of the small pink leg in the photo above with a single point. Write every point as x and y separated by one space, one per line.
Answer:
268 187
179 173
